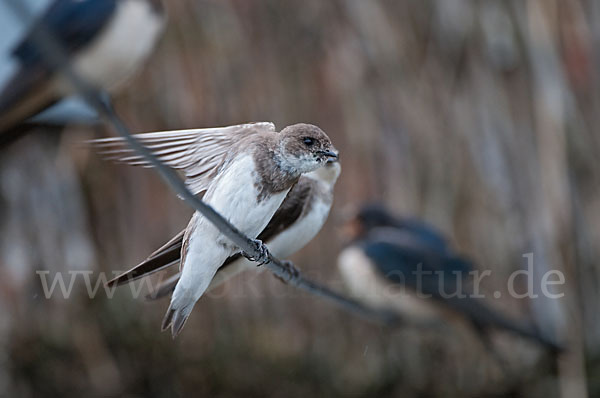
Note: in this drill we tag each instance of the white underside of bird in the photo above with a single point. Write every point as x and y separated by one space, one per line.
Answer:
208 248
285 243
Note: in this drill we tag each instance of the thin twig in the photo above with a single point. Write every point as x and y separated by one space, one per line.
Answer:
54 53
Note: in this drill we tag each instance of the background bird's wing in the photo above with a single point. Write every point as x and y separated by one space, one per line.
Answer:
418 267
400 265
197 152
74 24
427 234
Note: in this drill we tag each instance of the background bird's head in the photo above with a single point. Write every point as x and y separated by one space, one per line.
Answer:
375 215
305 147
366 219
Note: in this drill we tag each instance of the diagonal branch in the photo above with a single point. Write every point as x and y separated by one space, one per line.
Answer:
57 58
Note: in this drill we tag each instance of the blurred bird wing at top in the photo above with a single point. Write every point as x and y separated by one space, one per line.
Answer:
199 153
74 23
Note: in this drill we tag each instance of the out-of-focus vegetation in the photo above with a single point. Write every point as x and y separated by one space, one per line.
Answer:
479 116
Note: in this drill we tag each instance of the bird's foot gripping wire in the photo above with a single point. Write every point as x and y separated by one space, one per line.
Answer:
291 270
263 253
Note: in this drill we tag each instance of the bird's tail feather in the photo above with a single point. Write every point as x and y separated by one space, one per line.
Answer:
167 255
175 318
483 317
182 303
230 268
527 331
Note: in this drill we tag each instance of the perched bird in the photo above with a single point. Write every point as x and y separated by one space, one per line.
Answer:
407 266
296 222
106 40
245 173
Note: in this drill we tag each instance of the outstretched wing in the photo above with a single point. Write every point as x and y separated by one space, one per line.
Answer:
197 152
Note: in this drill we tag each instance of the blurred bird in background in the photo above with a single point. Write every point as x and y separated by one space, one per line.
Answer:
245 172
408 266
105 40
296 222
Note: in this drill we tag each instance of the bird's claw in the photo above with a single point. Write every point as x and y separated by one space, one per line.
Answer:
291 270
263 253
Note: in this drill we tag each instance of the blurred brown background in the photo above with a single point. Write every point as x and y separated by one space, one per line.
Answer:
478 116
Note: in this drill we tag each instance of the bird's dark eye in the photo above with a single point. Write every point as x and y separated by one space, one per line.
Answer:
308 141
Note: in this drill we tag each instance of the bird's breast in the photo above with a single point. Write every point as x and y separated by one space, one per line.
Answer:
235 195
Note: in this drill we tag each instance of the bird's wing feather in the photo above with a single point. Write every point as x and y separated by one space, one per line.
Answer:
417 268
415 243
165 256
426 233
197 152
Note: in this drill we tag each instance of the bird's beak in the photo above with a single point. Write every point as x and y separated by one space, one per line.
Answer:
332 156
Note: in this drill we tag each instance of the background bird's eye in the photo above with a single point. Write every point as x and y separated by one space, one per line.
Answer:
308 141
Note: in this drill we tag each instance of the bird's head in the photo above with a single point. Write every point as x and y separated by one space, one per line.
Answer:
305 147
